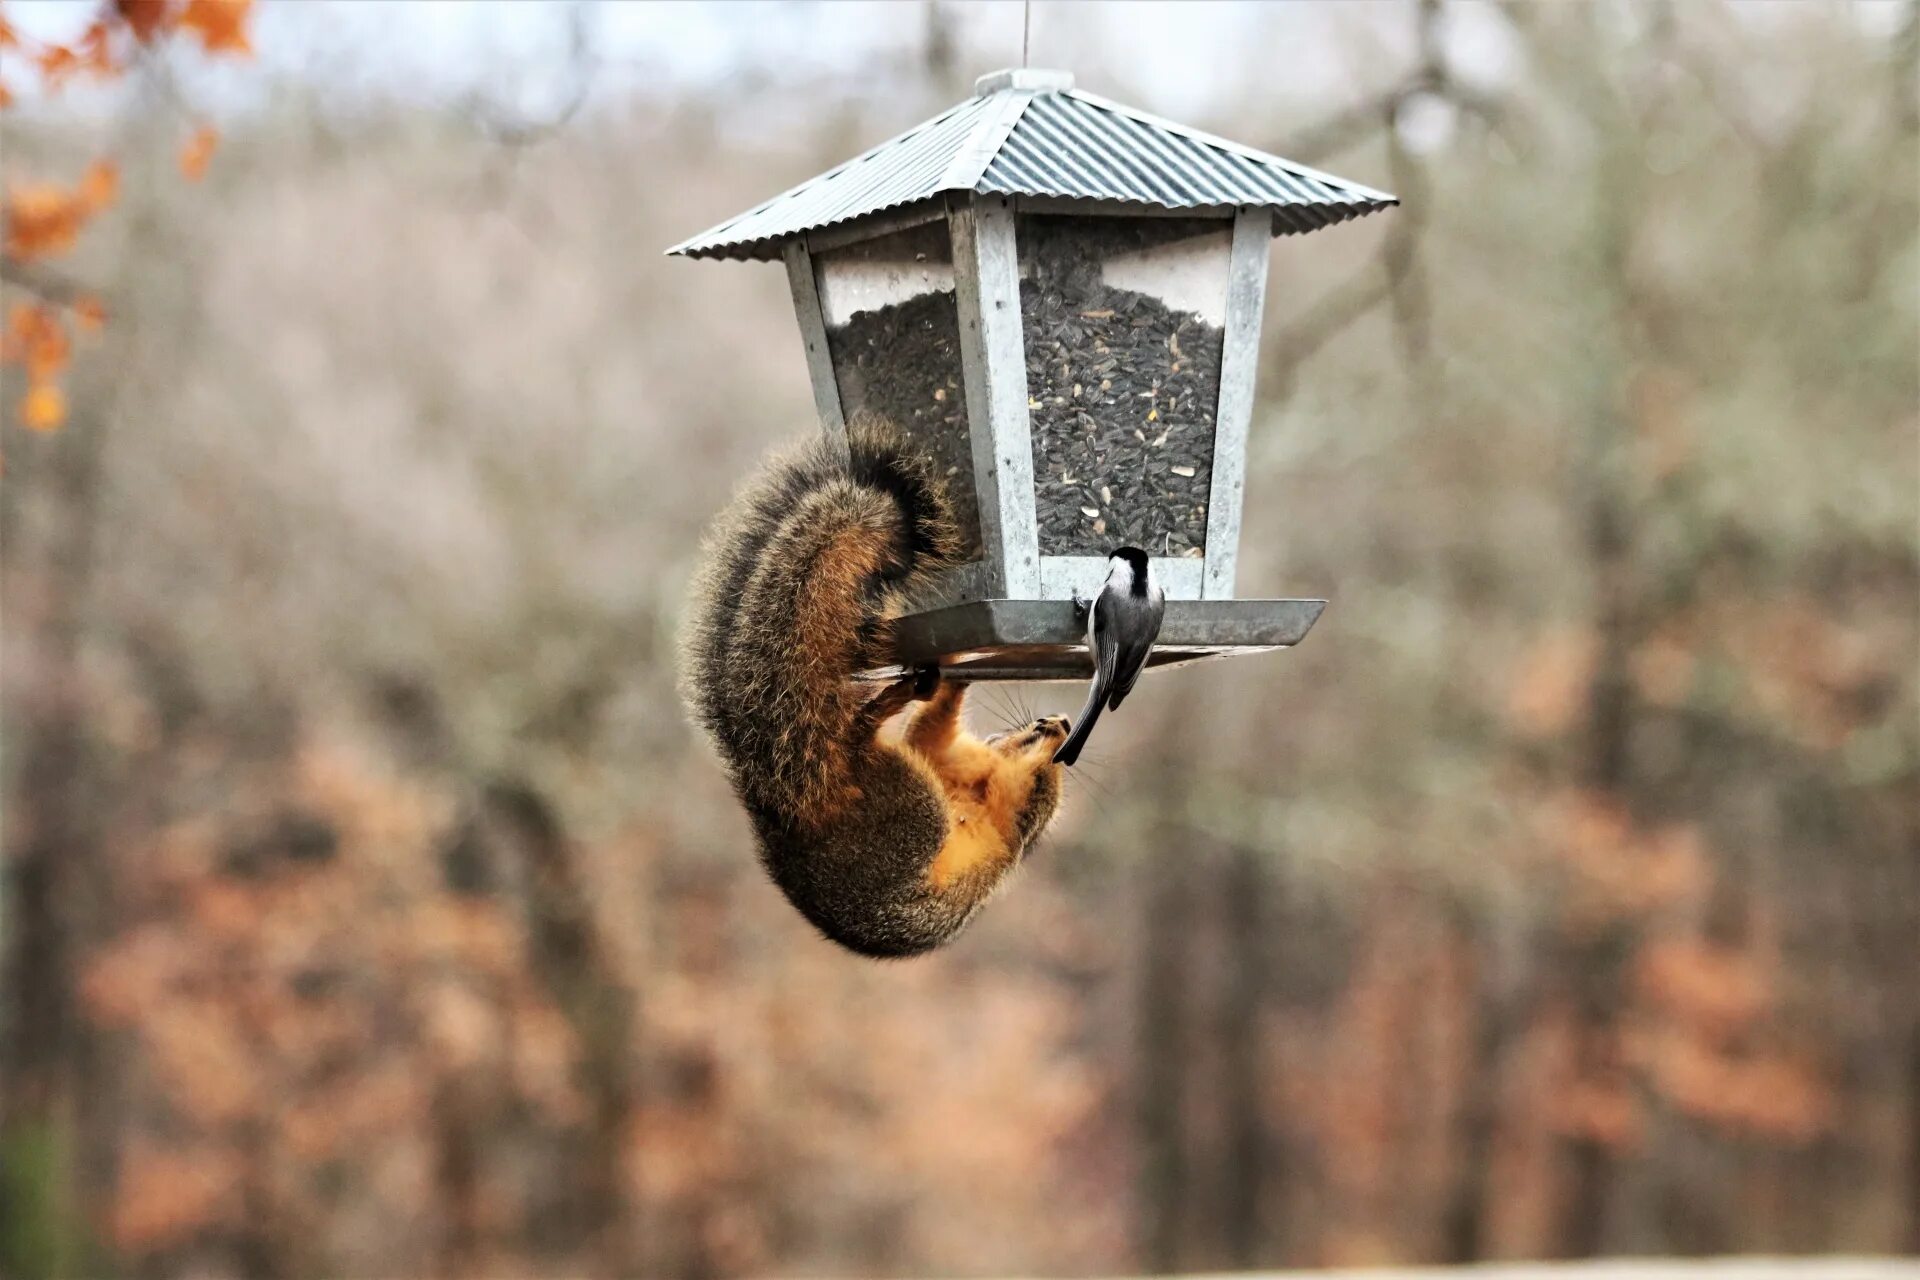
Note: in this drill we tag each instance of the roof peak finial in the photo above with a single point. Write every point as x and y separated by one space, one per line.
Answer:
1031 79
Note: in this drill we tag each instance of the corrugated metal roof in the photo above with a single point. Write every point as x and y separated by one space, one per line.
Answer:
1029 134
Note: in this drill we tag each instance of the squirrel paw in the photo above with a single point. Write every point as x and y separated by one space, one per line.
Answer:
925 681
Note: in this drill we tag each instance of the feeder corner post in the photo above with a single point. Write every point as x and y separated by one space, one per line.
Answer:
813 336
1239 369
993 364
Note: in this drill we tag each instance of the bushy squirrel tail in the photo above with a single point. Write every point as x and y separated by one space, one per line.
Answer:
803 576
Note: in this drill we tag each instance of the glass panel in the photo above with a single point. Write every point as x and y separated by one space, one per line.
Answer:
894 333
1124 320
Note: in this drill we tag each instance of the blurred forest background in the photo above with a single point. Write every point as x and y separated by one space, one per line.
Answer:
371 909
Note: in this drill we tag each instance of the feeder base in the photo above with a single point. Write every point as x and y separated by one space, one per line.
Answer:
1046 639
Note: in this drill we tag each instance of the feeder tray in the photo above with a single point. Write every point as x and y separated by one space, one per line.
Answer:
1057 301
1046 639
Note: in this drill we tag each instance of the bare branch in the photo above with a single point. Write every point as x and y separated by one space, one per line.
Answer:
1344 129
50 285
581 67
1328 317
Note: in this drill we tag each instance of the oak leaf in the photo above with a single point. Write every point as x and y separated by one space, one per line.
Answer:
43 408
145 18
100 186
89 313
42 219
166 1197
96 49
57 62
34 337
198 153
1552 684
220 24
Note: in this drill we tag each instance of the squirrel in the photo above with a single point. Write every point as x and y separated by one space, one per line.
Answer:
888 847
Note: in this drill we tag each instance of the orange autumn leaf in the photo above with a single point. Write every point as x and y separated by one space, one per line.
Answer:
45 219
101 185
165 1197
89 313
96 49
22 319
145 18
1663 669
57 62
1780 1098
43 408
220 24
48 355
1603 1112
1550 687
34 337
1714 990
42 219
198 153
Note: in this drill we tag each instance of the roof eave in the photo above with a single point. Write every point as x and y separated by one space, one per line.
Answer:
771 248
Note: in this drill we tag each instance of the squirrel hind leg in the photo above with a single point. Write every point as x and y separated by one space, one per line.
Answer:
884 705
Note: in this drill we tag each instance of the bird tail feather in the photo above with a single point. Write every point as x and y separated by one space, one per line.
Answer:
1083 723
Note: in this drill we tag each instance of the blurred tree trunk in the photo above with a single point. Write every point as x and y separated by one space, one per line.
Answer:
1248 1167
53 874
1594 962
457 1121
57 1083
1913 1140
1499 1011
60 1082
574 966
1162 1049
940 52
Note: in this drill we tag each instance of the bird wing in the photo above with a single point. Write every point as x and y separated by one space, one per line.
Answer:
1104 621
1130 658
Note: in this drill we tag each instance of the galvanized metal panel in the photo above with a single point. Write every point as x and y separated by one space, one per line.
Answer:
1026 135
993 362
1239 363
898 171
813 336
971 581
1230 148
988 136
1076 145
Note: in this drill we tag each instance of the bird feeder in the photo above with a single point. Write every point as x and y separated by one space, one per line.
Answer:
1057 299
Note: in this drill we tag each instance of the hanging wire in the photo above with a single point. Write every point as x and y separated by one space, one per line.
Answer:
1026 30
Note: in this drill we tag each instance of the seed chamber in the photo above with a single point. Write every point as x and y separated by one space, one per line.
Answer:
1124 320
893 331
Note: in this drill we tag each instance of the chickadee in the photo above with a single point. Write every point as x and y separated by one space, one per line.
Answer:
1122 623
